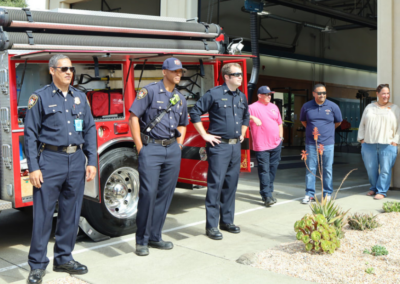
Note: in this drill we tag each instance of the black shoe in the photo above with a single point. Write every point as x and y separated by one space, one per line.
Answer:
269 201
214 233
274 199
142 250
161 245
71 267
231 228
36 276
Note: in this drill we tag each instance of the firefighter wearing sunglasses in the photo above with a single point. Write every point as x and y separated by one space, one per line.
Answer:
229 119
60 134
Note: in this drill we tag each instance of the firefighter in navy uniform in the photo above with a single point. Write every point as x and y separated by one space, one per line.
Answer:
229 119
158 125
59 132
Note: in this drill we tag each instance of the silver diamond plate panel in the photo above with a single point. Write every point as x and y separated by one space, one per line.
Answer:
5 205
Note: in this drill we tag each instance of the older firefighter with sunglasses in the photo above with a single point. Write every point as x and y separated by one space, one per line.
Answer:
59 134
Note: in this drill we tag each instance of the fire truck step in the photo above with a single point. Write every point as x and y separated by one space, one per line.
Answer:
5 205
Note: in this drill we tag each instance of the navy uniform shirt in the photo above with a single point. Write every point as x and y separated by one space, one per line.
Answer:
150 101
324 118
50 120
227 110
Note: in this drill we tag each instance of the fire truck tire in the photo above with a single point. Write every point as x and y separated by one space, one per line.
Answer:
119 183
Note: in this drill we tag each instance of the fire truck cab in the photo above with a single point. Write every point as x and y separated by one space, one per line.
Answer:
110 78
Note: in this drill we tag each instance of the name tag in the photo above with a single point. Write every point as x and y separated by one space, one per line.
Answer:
160 102
78 124
53 106
224 99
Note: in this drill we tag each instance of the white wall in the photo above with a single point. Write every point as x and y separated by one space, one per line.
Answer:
145 7
37 4
179 8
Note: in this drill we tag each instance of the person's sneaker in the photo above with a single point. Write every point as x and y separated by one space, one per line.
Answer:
307 199
328 198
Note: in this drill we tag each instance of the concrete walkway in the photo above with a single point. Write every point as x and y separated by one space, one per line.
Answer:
196 258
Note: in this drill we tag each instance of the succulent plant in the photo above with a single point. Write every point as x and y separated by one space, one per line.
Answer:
363 222
391 206
379 250
317 234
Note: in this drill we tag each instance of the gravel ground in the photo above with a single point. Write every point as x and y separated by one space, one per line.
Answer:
67 280
348 263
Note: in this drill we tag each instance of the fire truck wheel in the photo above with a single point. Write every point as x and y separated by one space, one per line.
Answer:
119 182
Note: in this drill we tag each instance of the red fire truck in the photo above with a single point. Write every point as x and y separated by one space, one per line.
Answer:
112 54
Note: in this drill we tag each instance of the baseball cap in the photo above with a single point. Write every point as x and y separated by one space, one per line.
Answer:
172 64
264 90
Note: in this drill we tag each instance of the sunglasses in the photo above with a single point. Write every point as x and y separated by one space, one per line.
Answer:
236 74
321 93
65 69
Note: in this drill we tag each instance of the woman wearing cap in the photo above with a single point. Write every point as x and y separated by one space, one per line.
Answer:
379 135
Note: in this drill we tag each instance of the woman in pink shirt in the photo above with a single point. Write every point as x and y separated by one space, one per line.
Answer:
267 135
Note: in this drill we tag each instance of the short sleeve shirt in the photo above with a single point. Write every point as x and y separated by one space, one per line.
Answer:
153 99
324 118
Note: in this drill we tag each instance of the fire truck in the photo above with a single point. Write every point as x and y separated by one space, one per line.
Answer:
114 56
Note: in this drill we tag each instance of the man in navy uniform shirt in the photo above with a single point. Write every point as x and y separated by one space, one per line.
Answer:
229 118
326 116
158 125
59 132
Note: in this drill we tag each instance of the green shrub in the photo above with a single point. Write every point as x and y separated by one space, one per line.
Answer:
317 234
391 206
379 250
13 3
363 222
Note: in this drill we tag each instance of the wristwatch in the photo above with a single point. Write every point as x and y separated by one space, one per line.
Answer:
180 145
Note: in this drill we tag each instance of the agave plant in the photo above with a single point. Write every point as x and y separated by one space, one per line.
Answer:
363 222
317 233
391 206
333 213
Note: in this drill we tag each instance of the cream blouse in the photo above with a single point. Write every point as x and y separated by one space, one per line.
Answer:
380 125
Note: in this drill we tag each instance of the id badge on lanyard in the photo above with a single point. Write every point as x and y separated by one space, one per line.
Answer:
78 123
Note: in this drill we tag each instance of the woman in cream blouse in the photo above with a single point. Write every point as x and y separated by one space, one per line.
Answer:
379 134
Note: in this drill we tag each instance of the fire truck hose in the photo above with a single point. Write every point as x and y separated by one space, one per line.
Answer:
68 21
19 40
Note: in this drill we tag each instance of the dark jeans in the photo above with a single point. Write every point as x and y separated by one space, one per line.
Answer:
268 162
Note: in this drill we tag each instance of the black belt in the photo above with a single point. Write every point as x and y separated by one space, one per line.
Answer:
68 149
229 141
165 142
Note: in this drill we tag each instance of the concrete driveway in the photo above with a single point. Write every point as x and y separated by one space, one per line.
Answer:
196 258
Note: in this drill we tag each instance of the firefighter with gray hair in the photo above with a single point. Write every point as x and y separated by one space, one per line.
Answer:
60 134
229 119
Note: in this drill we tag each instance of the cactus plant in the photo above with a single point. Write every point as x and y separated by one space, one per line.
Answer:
363 222
391 206
317 234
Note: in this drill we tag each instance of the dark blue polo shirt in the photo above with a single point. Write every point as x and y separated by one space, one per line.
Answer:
227 110
150 101
50 120
324 118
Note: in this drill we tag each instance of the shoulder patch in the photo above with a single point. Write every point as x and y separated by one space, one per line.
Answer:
88 101
32 101
142 93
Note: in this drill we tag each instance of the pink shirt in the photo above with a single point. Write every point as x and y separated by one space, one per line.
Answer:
266 136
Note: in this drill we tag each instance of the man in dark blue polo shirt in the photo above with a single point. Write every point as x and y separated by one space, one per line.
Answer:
326 116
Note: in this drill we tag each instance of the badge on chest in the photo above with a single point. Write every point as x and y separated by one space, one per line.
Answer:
78 123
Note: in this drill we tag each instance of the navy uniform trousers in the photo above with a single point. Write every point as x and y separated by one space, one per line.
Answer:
63 180
159 170
222 181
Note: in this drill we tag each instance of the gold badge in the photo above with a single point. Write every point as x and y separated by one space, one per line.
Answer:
32 101
142 93
77 100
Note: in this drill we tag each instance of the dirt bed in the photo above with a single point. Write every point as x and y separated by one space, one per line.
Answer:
348 264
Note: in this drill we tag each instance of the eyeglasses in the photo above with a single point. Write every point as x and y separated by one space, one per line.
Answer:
321 93
266 94
236 74
65 69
